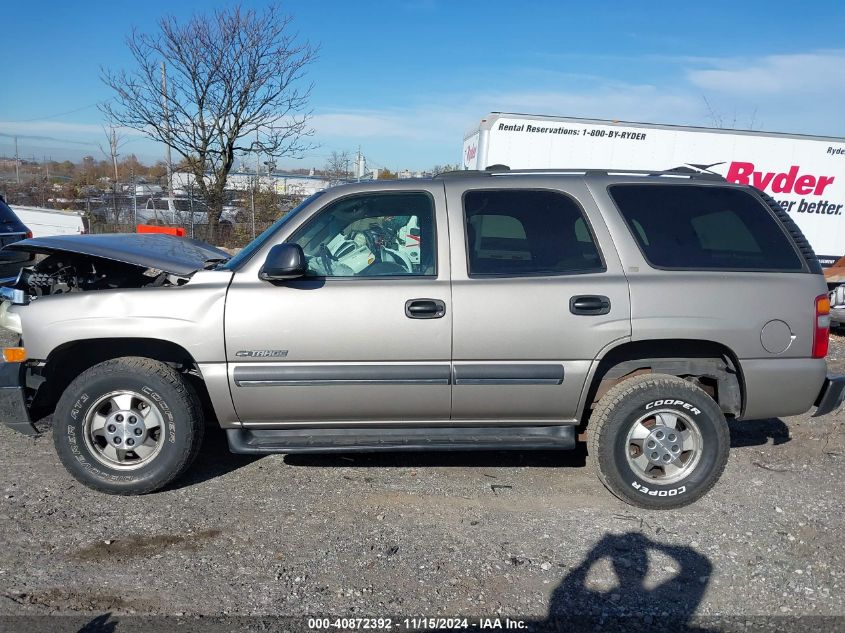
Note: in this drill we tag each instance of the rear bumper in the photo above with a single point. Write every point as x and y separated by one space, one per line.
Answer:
13 411
831 395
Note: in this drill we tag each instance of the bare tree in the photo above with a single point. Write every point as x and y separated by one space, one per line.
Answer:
233 86
717 120
337 167
115 142
440 169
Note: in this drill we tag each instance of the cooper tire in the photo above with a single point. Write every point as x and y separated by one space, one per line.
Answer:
121 402
630 432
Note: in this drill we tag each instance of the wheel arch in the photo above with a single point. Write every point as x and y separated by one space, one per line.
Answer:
711 365
68 360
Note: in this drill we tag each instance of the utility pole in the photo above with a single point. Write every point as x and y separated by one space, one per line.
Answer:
257 158
191 199
17 163
134 196
113 146
166 128
111 135
358 165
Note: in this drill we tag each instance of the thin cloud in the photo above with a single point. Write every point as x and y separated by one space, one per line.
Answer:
50 127
424 123
822 73
446 121
766 90
799 93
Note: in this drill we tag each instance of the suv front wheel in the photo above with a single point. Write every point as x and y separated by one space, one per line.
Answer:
658 441
128 426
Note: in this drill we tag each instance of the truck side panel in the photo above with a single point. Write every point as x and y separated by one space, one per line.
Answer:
804 174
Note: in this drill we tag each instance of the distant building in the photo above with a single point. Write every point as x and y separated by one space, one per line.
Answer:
280 182
407 173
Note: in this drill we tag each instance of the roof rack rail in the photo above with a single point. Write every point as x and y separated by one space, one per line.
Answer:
462 173
693 172
685 171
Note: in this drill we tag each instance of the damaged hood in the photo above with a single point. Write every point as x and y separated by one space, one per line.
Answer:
168 253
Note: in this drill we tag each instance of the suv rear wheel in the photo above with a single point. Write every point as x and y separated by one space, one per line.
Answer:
658 441
128 426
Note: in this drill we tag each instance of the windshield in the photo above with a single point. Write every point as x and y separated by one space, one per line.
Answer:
259 241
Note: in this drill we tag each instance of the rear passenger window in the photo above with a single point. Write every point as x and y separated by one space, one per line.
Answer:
512 232
699 227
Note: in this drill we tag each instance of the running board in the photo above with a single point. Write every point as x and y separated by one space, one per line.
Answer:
361 440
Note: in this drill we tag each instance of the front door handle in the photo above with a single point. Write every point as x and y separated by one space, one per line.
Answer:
424 308
589 304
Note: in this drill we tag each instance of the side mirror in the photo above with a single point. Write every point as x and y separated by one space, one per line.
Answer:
284 261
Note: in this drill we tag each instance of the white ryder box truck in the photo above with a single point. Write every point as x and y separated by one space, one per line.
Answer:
805 174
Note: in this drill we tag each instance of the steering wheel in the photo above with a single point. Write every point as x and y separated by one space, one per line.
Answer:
326 258
373 235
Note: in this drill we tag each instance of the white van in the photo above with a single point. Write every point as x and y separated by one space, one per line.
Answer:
45 222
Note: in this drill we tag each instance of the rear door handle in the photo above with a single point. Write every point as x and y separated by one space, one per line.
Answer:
424 308
589 304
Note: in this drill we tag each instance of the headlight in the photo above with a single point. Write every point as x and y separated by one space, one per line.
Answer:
10 320
14 295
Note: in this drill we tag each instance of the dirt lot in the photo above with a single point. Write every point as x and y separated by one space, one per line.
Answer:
471 534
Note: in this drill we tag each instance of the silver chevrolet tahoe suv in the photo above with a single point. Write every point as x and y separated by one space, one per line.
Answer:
517 310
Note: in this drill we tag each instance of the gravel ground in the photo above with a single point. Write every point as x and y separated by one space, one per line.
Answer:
472 534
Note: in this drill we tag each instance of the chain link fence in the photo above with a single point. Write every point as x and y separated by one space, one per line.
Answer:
122 213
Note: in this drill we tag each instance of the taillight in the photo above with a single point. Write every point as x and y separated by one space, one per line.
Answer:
821 331
28 234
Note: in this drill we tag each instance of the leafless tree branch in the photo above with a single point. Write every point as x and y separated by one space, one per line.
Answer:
337 167
235 84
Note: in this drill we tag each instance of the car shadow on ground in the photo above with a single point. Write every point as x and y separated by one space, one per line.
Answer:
627 582
744 433
647 593
215 459
758 432
463 459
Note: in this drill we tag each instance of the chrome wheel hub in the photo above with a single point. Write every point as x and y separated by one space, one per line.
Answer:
664 446
124 430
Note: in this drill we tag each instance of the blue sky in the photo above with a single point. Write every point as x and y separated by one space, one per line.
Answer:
405 79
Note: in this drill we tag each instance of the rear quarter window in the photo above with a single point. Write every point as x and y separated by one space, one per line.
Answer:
697 227
6 213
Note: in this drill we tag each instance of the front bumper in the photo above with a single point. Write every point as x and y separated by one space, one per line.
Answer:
13 411
831 395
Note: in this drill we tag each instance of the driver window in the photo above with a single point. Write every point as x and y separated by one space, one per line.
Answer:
383 234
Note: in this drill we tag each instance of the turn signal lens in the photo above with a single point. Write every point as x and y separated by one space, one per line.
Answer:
821 331
14 354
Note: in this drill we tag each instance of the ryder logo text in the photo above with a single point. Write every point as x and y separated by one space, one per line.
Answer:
788 182
784 182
